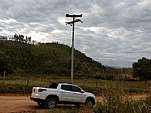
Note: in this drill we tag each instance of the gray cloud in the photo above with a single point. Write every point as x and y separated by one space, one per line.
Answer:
114 32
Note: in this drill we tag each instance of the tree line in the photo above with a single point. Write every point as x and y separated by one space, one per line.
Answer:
18 38
142 69
18 55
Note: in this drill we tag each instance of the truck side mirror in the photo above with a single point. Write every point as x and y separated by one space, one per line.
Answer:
82 91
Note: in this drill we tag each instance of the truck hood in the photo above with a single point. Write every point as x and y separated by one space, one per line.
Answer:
89 94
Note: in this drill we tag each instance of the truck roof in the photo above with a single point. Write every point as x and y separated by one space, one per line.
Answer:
54 85
68 84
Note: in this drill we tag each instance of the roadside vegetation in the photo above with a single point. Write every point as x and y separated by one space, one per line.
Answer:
115 103
24 84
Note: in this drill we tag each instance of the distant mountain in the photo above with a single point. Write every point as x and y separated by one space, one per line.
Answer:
45 58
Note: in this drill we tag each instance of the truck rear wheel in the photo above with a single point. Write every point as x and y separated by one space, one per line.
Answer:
51 103
41 104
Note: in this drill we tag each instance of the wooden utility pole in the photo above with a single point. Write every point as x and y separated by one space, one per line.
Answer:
72 53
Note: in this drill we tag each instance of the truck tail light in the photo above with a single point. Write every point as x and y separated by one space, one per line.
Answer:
33 90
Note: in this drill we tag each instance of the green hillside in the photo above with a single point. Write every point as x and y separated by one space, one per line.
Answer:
44 58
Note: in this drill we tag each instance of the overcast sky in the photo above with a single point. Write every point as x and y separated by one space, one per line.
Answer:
113 32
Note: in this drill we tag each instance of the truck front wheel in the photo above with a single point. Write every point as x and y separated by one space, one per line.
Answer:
89 103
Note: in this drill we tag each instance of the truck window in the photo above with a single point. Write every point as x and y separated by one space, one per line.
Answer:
71 88
66 87
76 89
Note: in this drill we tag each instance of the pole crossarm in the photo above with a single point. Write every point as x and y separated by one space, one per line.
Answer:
76 20
68 15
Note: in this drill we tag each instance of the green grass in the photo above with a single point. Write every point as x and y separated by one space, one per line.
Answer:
93 85
112 90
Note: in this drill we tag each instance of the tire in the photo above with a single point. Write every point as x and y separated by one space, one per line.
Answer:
89 103
51 103
41 104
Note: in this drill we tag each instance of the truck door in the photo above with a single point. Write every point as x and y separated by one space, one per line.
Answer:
71 93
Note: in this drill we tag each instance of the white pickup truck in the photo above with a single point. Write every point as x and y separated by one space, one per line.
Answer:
61 93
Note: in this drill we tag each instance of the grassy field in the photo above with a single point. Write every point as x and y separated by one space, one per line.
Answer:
112 90
26 82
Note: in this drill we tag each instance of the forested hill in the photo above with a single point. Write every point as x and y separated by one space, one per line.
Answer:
44 58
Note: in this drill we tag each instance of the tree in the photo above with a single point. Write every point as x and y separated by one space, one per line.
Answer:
19 38
3 38
142 69
5 64
46 58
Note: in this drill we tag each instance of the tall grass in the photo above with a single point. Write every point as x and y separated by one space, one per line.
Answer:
117 102
92 85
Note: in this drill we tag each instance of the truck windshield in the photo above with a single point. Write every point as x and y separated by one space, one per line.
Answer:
53 85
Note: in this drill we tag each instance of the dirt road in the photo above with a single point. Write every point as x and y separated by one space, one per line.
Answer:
23 104
18 104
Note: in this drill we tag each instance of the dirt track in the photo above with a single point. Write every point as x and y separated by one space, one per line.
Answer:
20 104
